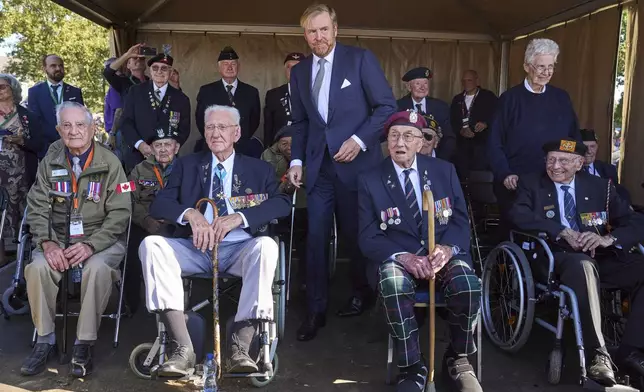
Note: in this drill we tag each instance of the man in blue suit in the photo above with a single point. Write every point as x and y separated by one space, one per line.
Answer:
340 99
45 96
247 198
393 231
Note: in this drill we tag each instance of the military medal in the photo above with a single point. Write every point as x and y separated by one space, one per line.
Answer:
383 218
62 186
390 215
426 187
94 191
249 191
397 216
550 214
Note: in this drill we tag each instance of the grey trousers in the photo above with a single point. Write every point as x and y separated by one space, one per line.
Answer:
166 260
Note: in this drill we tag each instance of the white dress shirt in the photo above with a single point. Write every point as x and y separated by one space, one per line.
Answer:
325 91
237 234
234 84
60 89
529 88
591 169
423 104
560 199
162 90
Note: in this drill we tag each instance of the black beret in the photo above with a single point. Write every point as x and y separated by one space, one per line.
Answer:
165 133
285 131
568 145
409 118
161 58
588 135
417 73
295 56
228 53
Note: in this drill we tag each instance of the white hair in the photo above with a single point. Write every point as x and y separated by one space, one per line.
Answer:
89 119
540 46
233 112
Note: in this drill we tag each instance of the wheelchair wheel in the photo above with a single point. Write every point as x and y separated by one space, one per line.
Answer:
260 382
279 291
137 360
614 310
508 297
555 366
14 300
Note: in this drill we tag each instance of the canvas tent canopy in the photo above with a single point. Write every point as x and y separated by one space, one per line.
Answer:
449 36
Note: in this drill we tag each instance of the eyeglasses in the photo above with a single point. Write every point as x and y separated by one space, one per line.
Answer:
407 137
218 127
4 87
162 68
562 161
542 69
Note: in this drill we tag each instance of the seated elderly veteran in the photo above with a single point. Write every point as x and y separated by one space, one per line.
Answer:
99 220
247 200
598 168
431 138
392 234
590 244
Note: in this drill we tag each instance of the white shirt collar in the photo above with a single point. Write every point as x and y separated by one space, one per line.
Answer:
422 102
328 58
234 83
571 185
228 163
163 88
399 169
529 88
52 84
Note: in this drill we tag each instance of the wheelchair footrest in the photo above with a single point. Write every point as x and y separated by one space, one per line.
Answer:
246 375
591 385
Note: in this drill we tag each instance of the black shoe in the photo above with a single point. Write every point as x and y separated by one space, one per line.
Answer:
633 363
412 378
82 363
309 327
354 307
181 362
242 338
36 362
601 370
459 375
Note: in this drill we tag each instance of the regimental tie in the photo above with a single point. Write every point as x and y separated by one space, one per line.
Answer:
419 108
412 201
218 189
54 90
157 94
317 85
76 168
231 98
569 208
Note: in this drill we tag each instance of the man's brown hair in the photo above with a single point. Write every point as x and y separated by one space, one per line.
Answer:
315 9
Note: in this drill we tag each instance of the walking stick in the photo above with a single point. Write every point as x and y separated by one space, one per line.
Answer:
215 290
428 205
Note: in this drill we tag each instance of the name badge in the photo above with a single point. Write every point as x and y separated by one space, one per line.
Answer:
76 225
59 172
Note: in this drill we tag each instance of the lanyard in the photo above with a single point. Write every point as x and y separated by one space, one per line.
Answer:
5 122
158 175
464 110
74 180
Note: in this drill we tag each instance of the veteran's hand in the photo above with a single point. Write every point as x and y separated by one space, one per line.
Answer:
145 149
224 224
480 126
439 257
78 253
418 266
511 182
294 175
203 234
571 237
348 151
55 256
589 241
467 133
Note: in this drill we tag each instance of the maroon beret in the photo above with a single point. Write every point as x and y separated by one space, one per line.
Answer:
408 117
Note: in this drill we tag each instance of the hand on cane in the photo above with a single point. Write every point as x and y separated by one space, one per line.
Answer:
438 258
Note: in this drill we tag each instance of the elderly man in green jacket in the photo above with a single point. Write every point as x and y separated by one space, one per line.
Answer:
101 208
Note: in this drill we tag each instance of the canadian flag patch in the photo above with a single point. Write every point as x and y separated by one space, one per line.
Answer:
125 187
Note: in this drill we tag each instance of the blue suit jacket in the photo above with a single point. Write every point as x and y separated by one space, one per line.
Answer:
360 108
190 181
42 105
379 189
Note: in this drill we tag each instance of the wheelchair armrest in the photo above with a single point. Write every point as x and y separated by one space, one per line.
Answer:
541 239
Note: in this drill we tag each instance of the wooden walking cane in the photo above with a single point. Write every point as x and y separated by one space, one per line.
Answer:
428 205
215 290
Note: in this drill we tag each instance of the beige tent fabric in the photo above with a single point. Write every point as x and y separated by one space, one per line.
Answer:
262 57
585 68
632 164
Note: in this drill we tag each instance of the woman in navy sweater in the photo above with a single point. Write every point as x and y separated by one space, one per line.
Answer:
527 116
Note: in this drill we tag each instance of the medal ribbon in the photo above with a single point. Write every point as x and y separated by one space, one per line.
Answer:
74 180
157 173
5 122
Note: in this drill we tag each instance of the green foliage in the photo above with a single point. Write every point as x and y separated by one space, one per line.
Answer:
44 27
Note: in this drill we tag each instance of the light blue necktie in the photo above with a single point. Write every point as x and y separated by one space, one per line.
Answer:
218 190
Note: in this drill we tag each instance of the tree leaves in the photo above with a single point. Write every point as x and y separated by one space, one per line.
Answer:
43 28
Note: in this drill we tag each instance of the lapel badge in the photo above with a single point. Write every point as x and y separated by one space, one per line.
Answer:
586 198
550 214
391 184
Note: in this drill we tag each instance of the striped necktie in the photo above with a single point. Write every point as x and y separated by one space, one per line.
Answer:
218 193
231 97
412 201
569 208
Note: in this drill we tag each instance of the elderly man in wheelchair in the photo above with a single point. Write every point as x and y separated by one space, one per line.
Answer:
590 230
393 236
97 227
247 199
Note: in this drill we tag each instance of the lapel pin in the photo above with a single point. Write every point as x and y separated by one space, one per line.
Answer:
550 214
586 198
249 191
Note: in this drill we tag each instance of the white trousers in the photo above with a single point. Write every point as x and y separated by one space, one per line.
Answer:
166 260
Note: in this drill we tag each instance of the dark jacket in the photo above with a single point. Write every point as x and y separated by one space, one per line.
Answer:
277 112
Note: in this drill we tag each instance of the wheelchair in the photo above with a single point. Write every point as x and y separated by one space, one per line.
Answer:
510 295
146 358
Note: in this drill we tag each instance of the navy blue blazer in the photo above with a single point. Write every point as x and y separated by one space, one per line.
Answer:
360 108
191 178
42 105
379 189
